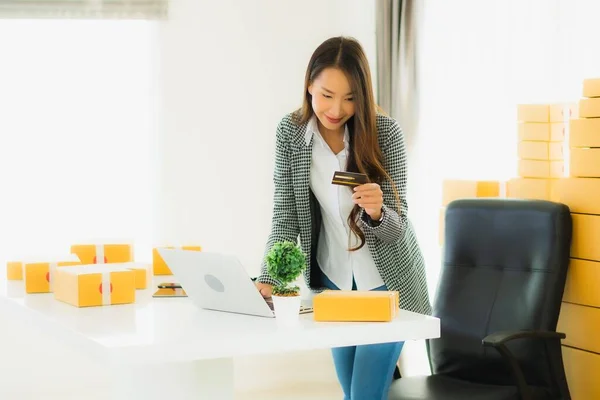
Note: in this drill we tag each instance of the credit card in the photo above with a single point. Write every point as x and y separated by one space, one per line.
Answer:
349 178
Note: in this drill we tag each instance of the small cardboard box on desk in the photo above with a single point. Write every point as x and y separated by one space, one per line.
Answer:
95 285
158 264
39 276
355 306
14 270
103 252
143 273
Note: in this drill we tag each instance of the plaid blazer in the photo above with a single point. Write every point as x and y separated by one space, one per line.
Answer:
296 214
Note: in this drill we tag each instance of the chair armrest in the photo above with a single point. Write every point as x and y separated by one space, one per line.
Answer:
498 341
499 338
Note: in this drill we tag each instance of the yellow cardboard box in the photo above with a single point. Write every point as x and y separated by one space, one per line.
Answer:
579 367
549 151
95 285
143 274
559 112
585 163
103 252
159 265
352 305
589 108
581 286
454 189
586 236
541 169
582 195
591 87
14 270
40 276
584 132
530 188
542 131
578 322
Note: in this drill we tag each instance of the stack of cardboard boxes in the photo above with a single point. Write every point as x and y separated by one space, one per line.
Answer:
93 274
559 160
580 313
542 130
89 269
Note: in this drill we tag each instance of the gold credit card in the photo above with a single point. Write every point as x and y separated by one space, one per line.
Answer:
349 178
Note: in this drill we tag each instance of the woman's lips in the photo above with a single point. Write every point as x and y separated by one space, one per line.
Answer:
333 120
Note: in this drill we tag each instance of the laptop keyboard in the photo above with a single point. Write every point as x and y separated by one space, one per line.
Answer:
270 304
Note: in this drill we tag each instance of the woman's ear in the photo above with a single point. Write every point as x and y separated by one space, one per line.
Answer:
310 89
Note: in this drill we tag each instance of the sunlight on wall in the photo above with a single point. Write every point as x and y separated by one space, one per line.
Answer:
74 135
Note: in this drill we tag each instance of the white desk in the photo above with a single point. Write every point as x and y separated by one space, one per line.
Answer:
167 348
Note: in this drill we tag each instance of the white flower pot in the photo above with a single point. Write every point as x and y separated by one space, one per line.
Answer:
287 309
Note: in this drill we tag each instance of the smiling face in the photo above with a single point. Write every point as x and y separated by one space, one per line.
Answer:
332 100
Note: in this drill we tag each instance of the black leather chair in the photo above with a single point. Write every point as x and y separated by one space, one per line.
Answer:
499 295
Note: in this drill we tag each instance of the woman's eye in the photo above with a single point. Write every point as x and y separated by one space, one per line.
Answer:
326 96
350 99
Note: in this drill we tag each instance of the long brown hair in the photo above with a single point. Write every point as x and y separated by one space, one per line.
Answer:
347 55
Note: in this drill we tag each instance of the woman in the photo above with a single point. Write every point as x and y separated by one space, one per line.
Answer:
354 239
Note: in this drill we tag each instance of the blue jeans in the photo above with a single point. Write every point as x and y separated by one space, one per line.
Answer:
365 372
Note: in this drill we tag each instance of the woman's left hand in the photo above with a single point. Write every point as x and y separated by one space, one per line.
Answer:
370 197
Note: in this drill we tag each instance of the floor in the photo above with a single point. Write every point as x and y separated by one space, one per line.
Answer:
294 393
290 393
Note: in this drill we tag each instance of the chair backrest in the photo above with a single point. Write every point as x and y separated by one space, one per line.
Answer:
504 269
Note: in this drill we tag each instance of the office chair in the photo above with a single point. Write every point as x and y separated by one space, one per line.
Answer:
498 299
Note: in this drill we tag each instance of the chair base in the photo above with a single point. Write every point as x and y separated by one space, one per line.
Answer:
438 387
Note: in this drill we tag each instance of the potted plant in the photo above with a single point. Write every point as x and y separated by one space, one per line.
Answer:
285 262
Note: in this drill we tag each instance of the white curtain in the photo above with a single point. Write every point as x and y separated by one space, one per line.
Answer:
75 135
59 9
398 25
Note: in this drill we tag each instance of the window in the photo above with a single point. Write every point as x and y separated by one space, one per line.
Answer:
75 134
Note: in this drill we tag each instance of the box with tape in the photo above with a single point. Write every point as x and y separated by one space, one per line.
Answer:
355 306
103 252
531 188
95 285
39 276
143 273
554 112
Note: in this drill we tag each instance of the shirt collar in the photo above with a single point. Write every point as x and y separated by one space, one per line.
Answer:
313 127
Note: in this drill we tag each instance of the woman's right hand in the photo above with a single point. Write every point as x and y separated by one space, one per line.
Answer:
265 289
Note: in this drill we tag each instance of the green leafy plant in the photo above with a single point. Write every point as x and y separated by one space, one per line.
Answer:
285 262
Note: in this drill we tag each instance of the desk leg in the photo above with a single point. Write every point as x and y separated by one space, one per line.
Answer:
196 380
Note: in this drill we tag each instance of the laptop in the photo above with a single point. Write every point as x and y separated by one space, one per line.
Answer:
219 282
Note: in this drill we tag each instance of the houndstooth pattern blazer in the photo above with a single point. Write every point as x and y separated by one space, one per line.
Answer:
296 214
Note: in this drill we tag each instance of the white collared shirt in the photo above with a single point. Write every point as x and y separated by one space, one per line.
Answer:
335 237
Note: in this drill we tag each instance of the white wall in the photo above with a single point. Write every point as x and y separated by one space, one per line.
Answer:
229 71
